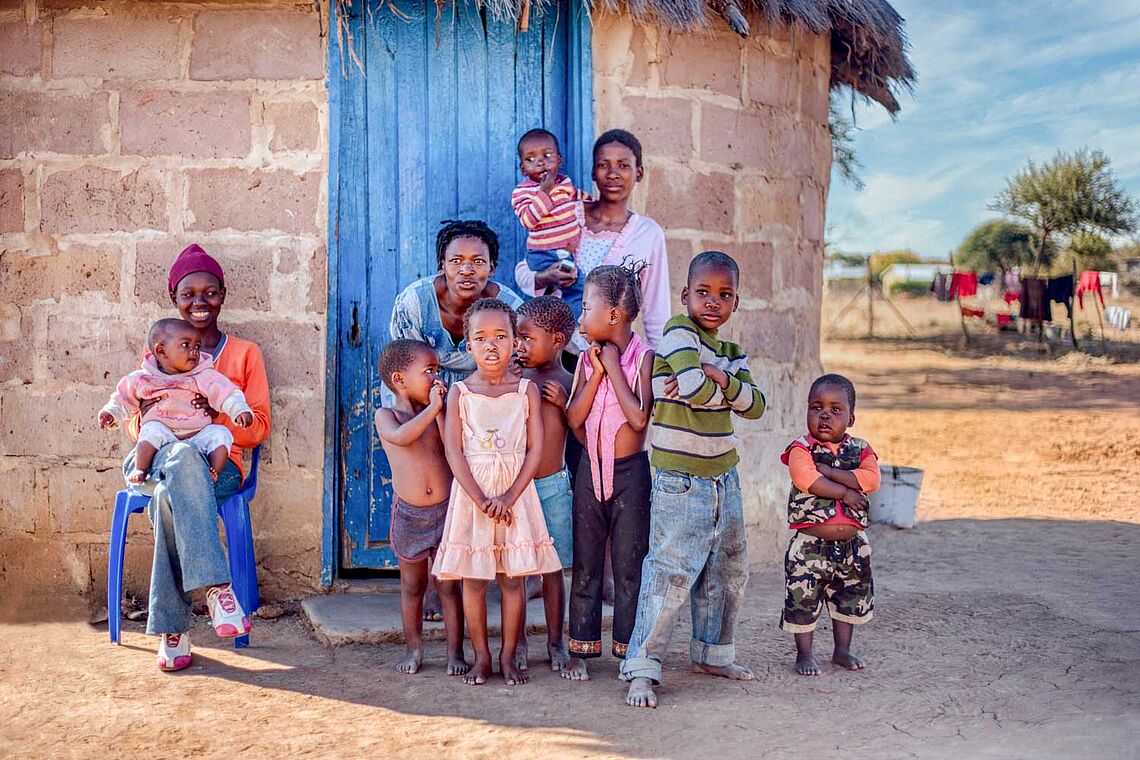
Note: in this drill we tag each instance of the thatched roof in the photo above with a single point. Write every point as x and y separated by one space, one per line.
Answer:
868 44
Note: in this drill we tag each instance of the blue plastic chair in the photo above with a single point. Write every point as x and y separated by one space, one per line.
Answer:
234 512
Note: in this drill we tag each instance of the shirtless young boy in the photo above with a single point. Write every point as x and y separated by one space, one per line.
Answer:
546 325
411 434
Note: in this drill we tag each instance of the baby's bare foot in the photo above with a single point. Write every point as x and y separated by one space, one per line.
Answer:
136 476
559 658
478 673
576 670
512 674
845 659
410 665
457 665
522 654
641 693
806 666
733 672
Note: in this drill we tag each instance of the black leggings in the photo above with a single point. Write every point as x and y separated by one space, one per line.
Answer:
623 519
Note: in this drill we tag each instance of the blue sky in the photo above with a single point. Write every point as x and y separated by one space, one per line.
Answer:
998 83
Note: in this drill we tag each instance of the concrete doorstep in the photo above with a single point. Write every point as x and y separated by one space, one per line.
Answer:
374 618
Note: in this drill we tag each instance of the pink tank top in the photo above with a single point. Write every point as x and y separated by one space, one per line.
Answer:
606 416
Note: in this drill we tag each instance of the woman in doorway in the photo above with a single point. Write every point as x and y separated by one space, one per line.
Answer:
431 309
184 501
613 234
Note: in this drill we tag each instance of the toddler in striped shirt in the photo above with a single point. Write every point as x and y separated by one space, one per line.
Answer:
546 204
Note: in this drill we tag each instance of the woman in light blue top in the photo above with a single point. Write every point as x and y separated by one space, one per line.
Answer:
431 309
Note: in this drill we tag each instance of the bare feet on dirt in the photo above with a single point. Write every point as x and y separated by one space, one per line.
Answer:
576 670
512 674
845 659
641 693
457 665
410 665
559 657
478 673
733 672
433 608
522 654
807 666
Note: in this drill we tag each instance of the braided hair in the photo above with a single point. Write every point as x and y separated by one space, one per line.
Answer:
552 314
619 285
453 229
489 304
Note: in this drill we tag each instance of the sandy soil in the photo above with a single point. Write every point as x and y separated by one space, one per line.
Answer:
1005 623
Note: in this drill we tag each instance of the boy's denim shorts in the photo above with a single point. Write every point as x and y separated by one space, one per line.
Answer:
557 501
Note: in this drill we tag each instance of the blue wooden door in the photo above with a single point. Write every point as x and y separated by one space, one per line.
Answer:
427 132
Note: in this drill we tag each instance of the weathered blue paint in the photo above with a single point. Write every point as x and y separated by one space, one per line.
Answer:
427 134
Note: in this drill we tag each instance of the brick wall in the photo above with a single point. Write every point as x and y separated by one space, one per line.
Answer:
738 157
128 130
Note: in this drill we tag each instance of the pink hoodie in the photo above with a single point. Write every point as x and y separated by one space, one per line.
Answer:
175 394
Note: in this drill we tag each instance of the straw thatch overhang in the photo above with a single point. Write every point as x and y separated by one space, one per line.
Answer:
868 44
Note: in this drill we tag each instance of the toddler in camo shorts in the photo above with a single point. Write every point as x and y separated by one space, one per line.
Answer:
829 557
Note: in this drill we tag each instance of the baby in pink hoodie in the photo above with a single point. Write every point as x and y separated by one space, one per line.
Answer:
175 372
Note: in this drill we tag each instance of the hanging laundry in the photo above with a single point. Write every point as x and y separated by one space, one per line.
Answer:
986 279
975 313
1118 317
1089 283
963 284
1011 283
1060 290
941 287
1003 320
1010 296
1034 304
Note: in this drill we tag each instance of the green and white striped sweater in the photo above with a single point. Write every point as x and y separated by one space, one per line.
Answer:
694 434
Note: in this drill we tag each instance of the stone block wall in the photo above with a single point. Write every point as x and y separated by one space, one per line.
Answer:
738 157
127 131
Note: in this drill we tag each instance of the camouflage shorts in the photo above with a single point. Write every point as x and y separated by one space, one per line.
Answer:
837 570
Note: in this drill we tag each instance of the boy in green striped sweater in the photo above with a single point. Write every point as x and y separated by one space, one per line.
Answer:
697 542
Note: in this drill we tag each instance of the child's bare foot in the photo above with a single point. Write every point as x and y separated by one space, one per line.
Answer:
410 665
806 666
136 476
559 657
457 665
522 655
433 608
733 672
576 670
845 659
641 693
478 673
512 674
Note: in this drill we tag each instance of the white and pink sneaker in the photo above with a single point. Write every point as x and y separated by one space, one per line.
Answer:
225 613
174 651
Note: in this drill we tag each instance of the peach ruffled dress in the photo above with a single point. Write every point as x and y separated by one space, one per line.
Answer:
494 444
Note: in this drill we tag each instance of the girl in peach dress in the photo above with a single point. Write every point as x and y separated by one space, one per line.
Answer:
494 527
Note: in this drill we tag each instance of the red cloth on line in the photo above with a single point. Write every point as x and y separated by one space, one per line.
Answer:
1010 297
963 284
968 312
1089 283
1003 319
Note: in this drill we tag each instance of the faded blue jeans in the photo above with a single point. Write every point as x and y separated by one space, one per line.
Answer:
188 550
698 549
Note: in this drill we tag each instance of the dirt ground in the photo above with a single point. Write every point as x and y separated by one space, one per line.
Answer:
1006 623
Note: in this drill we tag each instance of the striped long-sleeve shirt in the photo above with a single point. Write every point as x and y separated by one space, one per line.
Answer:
550 220
694 433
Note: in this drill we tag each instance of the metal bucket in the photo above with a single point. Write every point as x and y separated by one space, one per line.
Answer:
897 498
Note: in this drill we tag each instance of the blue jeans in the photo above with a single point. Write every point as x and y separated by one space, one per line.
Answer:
188 550
536 261
557 499
698 549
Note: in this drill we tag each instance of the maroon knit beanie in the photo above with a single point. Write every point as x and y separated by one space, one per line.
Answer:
194 259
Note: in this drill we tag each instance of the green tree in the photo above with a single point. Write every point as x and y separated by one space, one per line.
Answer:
1067 194
996 246
881 260
1091 251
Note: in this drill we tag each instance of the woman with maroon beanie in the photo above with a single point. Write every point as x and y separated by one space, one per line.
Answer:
183 509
